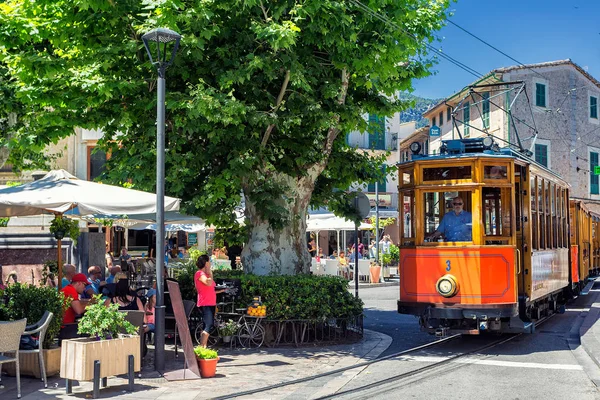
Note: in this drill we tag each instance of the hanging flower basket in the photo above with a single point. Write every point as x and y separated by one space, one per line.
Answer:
62 227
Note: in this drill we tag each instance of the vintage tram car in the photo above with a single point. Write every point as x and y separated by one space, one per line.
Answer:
525 248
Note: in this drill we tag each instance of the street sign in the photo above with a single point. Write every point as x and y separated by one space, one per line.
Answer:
435 131
597 170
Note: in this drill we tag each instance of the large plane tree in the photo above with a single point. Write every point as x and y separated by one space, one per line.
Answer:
259 100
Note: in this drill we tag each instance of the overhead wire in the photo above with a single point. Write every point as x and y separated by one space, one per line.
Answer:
438 52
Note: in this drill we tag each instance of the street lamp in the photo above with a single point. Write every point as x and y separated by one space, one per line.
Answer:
162 37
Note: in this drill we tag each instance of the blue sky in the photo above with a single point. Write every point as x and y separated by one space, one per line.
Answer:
531 31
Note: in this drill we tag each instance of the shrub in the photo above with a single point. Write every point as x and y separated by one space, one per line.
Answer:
104 322
298 297
28 301
205 354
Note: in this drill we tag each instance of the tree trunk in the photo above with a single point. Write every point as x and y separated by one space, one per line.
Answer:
285 251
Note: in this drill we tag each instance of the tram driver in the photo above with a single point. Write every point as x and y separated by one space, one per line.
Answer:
456 226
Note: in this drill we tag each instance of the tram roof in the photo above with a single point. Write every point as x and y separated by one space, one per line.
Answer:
497 153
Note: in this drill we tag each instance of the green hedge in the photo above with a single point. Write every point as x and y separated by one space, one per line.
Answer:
27 301
298 297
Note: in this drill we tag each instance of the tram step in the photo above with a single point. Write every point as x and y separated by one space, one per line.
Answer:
588 287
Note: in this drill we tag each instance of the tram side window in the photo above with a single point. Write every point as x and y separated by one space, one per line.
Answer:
541 216
447 216
496 215
408 223
534 215
495 172
447 173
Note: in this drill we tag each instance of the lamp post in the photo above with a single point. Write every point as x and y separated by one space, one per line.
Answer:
162 37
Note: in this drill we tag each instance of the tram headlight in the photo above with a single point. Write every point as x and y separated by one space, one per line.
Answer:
447 286
415 147
487 142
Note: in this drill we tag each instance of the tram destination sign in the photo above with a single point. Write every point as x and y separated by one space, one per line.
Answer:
597 170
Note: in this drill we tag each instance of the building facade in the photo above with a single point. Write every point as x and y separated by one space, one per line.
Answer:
555 117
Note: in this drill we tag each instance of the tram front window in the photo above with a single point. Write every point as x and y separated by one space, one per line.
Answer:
447 216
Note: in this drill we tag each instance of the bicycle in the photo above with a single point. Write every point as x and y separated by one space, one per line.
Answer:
250 333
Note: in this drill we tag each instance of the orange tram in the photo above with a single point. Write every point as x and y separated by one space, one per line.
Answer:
514 253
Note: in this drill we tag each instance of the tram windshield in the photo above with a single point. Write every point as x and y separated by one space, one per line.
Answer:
447 216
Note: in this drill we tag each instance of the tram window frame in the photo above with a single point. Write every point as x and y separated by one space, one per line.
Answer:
445 173
541 216
495 172
559 212
534 213
408 239
500 232
404 174
436 196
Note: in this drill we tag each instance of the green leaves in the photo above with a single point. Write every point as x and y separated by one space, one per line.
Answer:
104 322
66 64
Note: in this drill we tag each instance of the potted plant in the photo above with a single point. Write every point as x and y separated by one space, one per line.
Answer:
19 301
375 272
112 340
61 227
228 329
207 361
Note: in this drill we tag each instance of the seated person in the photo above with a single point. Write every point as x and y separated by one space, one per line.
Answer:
76 307
113 271
94 283
69 271
124 260
343 265
150 310
333 255
456 226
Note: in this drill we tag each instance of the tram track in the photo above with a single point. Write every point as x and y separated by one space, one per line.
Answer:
416 372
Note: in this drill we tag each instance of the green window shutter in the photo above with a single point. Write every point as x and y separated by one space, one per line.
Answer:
486 110
377 135
448 113
540 95
541 154
441 118
466 118
593 178
593 107
433 120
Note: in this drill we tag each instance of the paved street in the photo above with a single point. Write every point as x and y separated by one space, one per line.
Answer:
549 364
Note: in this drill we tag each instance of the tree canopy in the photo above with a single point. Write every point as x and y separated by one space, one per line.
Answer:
259 99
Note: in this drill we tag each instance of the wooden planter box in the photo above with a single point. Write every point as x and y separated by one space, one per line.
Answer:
78 356
30 366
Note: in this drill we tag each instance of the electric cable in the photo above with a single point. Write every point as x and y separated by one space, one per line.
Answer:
437 51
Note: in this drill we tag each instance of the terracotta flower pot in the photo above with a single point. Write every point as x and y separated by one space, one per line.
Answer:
208 368
375 272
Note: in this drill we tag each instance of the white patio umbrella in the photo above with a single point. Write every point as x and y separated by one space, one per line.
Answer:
330 222
59 192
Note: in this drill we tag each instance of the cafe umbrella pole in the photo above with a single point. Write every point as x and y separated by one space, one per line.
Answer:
162 37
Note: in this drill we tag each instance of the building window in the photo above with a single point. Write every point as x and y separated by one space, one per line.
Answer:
96 163
426 147
466 118
593 107
377 126
486 110
593 178
540 95
441 118
433 121
448 113
541 154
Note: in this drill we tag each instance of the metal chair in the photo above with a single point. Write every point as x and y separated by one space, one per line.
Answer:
40 327
11 332
136 318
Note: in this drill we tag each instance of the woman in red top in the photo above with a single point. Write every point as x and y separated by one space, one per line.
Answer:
207 296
